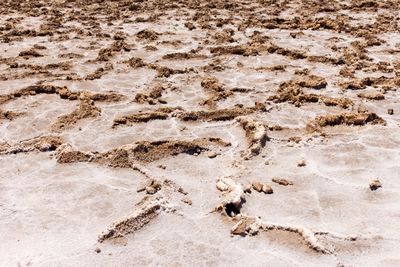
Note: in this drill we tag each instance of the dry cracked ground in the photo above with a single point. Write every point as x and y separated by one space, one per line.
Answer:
207 133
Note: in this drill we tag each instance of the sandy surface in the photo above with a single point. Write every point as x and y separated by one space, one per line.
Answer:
181 133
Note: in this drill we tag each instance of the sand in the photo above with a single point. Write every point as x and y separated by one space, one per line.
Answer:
182 133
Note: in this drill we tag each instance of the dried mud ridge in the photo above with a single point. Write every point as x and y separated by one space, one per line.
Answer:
62 92
293 93
177 112
234 197
41 144
146 210
346 118
86 109
127 155
354 63
9 115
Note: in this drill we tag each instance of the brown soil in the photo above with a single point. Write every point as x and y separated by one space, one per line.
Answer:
144 151
372 96
282 181
135 62
63 92
349 119
256 134
147 34
220 114
9 115
292 92
41 144
86 109
148 209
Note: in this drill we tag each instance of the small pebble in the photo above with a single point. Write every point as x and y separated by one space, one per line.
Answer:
187 201
375 184
267 189
247 189
301 163
282 181
257 186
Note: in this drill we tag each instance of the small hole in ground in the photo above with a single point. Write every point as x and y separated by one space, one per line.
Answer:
231 210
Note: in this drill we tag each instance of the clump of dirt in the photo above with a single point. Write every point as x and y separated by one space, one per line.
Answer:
225 36
71 55
39 47
384 67
311 81
326 60
182 56
273 68
249 225
145 211
166 72
97 74
135 62
372 96
187 200
143 151
214 65
282 181
154 95
100 97
211 101
292 92
260 187
59 65
30 53
147 34
256 134
152 151
375 184
216 91
246 226
347 72
9 115
63 92
105 54
220 114
65 154
244 50
5 98
164 113
386 83
140 117
355 84
212 84
41 144
151 186
120 35
87 109
301 163
356 55
257 186
291 53
233 197
360 119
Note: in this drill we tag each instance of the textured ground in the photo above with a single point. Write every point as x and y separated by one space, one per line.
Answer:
138 133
